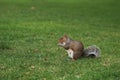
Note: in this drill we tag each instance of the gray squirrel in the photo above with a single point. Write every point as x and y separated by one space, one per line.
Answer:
75 49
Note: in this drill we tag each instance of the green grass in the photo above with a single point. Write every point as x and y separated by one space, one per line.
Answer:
30 29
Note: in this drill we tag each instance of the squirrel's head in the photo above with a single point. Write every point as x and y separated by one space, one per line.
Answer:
62 41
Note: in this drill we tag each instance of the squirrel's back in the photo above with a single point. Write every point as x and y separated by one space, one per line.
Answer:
76 46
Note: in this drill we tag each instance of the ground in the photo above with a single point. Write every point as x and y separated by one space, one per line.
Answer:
30 29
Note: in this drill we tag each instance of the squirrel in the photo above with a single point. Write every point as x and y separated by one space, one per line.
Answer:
75 49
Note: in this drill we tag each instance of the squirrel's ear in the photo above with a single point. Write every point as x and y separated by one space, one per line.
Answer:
65 36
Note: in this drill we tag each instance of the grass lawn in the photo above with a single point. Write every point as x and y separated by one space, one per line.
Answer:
30 29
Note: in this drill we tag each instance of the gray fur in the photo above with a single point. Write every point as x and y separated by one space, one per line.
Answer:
92 50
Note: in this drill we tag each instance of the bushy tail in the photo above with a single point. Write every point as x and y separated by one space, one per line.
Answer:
92 51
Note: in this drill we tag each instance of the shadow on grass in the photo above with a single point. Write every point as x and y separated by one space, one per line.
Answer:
5 46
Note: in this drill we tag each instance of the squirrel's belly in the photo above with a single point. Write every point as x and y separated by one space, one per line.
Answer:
70 53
